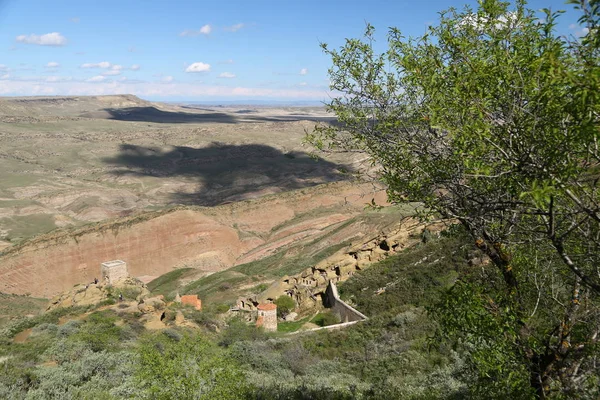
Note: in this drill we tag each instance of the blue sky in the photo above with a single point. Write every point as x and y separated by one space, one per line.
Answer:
194 50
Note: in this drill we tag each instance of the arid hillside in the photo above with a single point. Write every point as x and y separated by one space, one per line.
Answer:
69 161
207 239
90 179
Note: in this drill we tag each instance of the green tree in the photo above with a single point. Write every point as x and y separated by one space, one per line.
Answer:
491 119
188 368
285 305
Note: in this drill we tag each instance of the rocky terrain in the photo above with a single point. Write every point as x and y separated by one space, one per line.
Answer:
162 186
308 287
207 239
68 161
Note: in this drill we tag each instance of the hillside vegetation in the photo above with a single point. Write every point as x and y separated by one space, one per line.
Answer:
99 353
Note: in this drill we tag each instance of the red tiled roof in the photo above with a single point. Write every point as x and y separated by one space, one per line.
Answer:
267 307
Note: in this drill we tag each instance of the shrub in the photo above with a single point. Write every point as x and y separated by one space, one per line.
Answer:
285 305
45 328
68 328
191 368
238 330
172 334
326 318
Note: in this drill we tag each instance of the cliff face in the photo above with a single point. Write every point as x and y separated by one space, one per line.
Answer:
152 247
210 239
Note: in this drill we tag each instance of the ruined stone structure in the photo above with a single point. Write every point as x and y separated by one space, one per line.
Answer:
308 288
346 312
113 271
267 317
191 300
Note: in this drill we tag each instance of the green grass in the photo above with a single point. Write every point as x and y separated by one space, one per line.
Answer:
277 266
263 266
51 317
169 282
408 278
17 203
21 227
292 326
221 286
298 218
14 306
8 180
325 318
218 287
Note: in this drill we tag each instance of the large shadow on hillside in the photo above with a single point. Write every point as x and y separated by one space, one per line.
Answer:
153 114
223 173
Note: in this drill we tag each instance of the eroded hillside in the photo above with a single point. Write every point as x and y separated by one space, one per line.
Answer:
207 239
69 161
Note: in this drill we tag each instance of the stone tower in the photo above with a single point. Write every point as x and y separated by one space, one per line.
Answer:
267 317
113 271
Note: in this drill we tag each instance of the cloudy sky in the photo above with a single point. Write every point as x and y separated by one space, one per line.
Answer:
193 50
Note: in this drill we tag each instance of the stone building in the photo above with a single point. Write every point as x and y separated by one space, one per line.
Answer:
267 317
191 300
113 271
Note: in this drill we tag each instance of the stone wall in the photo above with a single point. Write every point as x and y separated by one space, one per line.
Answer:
346 312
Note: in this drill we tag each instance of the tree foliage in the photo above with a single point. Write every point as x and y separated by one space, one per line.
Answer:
491 119
285 305
188 368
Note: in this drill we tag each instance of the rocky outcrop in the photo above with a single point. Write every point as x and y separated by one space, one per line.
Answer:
152 304
308 288
92 293
209 239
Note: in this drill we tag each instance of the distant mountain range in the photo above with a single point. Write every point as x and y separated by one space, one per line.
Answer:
229 103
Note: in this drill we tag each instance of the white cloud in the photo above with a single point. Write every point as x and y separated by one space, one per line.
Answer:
167 79
5 76
127 80
103 64
98 78
234 28
579 30
304 71
3 67
227 75
115 69
100 86
302 84
48 39
58 79
135 67
52 64
75 20
230 61
198 67
204 30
